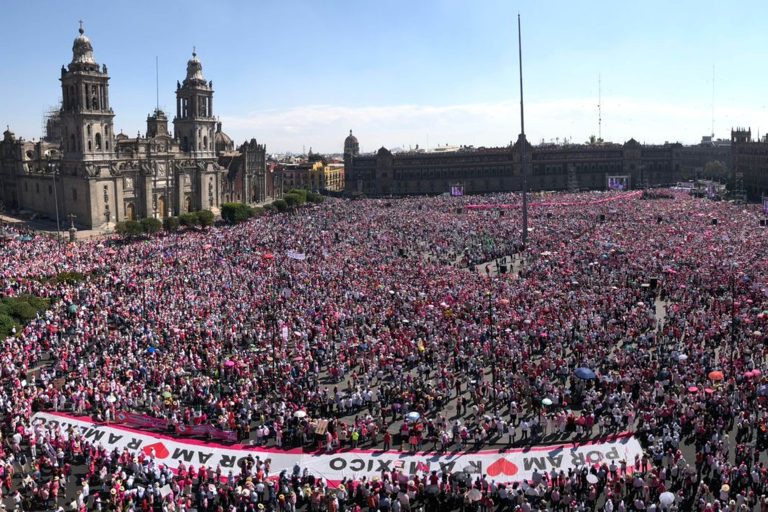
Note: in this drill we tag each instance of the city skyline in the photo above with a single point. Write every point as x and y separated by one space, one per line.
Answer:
301 74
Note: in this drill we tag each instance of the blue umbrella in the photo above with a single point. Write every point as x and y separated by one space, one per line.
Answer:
413 416
585 373
762 390
151 350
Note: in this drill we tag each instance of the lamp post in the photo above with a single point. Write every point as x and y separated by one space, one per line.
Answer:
53 170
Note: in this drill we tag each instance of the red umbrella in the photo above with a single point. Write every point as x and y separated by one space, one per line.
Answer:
268 256
693 389
716 375
709 391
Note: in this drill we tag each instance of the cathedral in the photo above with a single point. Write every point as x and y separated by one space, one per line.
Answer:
85 172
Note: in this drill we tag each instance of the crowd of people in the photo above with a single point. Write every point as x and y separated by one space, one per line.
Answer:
361 312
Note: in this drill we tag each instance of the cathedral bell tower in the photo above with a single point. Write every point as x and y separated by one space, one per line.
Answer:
86 117
194 124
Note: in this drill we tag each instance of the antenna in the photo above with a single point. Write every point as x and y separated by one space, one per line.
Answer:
157 84
599 108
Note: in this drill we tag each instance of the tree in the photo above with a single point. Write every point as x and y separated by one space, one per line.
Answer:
314 197
234 213
129 228
270 207
258 211
188 219
716 170
151 225
302 193
205 218
292 200
280 205
171 224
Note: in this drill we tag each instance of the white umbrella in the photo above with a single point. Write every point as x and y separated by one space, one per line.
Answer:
682 358
592 478
111 399
666 499
300 414
474 495
546 401
413 416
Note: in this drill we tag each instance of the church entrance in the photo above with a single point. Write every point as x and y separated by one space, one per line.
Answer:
130 212
161 206
188 204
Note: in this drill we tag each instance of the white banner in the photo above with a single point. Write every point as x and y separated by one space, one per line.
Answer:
509 466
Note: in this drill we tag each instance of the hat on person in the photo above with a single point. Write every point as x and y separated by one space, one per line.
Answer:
261 506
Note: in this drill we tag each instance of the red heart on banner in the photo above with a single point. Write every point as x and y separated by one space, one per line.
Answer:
161 451
502 465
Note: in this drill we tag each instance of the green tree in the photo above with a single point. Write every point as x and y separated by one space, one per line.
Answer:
302 193
292 200
129 228
150 225
234 213
280 205
205 218
188 219
171 224
715 170
270 207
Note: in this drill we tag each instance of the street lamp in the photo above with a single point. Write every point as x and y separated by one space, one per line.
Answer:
53 170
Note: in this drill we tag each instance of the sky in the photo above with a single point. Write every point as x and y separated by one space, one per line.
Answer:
299 74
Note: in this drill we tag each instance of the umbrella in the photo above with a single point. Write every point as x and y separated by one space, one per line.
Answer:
584 373
151 350
300 414
666 499
682 358
432 490
725 488
709 391
693 389
412 416
268 256
461 478
469 469
546 401
229 363
111 399
716 375
663 374
756 372
591 478
167 394
474 495
762 390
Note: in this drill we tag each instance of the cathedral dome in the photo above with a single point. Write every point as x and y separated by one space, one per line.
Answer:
194 68
82 50
223 142
351 146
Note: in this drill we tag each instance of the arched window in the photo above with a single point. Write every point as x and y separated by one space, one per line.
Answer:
72 142
90 146
98 142
185 143
88 130
205 142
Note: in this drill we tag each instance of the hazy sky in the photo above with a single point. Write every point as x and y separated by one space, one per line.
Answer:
297 74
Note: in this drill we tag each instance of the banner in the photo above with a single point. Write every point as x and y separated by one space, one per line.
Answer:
141 420
296 255
508 466
207 431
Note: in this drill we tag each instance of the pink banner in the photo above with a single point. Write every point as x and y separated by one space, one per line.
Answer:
511 206
207 431
141 420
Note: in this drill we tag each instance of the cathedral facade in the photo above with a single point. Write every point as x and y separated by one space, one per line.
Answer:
87 171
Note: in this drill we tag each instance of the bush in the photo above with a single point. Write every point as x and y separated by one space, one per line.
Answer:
205 218
292 200
302 193
129 228
18 311
270 207
171 224
150 225
234 213
258 211
280 205
314 197
188 219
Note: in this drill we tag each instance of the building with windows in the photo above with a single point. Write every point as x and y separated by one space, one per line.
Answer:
481 170
83 168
